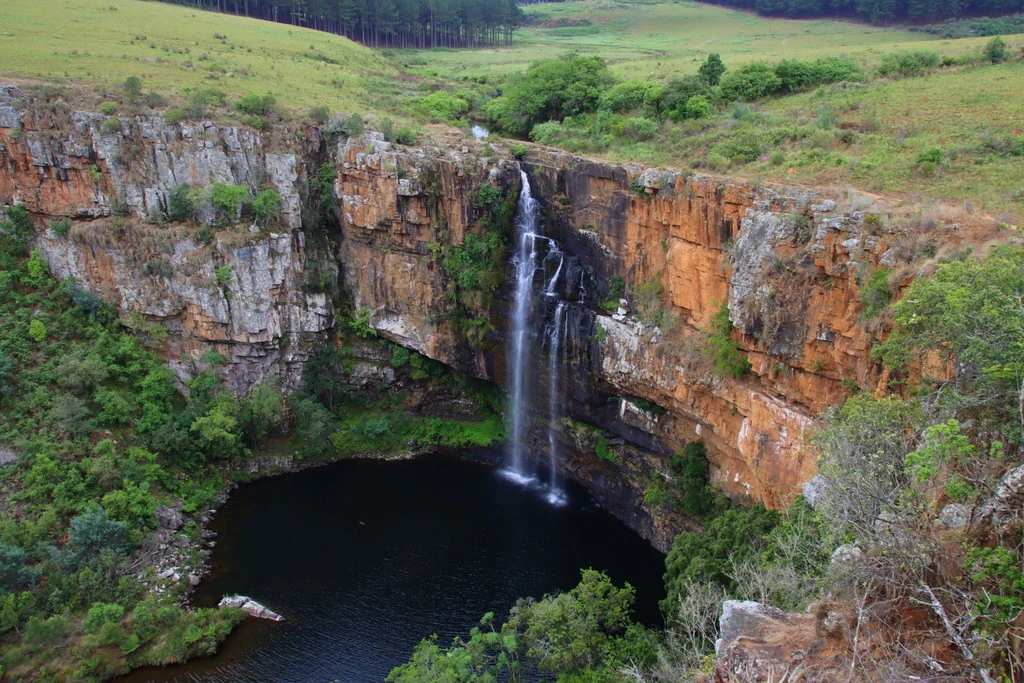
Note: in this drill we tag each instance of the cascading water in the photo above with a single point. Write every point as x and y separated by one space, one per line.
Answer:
535 254
555 335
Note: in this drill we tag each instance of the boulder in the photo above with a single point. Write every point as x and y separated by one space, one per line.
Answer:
250 606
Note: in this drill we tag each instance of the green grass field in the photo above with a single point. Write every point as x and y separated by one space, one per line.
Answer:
665 39
102 42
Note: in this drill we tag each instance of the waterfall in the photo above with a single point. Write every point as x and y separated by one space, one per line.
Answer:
557 331
537 264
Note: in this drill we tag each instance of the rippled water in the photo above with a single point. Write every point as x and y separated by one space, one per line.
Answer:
364 558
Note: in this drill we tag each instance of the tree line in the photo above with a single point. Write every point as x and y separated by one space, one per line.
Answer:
878 11
387 23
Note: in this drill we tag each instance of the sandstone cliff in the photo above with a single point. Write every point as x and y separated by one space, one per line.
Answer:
787 262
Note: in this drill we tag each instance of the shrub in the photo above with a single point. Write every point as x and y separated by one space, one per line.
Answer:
444 106
549 90
751 82
14 575
256 105
179 204
108 108
227 199
712 69
92 532
876 294
679 91
61 228
640 129
111 126
360 324
267 206
697 107
797 75
174 116
633 95
156 101
908 63
222 275
729 360
320 115
37 330
995 51
132 88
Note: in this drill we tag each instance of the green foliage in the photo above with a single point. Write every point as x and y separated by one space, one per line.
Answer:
876 294
586 634
179 204
111 126
175 116
995 51
360 324
107 108
709 556
443 106
222 275
616 291
604 451
637 95
750 82
319 114
712 69
679 91
93 532
729 360
267 207
61 228
479 263
968 311
16 233
998 571
227 200
14 572
691 470
908 63
132 88
37 330
697 107
549 90
256 105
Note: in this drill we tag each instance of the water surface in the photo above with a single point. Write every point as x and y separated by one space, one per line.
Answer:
364 558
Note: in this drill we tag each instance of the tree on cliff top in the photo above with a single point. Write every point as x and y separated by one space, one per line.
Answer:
550 90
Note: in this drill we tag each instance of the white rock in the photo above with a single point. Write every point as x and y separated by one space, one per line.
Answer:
247 604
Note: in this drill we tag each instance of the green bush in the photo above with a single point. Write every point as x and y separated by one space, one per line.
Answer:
549 90
909 63
796 75
995 51
712 69
679 91
174 116
179 204
111 126
639 130
360 324
697 107
107 108
319 114
256 105
228 199
729 360
443 105
750 82
876 294
267 207
156 101
632 96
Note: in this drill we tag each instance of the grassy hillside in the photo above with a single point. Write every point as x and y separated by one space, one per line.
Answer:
664 39
103 42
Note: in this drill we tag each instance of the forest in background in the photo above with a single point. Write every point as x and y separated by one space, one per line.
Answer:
388 23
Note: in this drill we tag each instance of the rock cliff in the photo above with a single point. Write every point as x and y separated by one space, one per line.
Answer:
787 263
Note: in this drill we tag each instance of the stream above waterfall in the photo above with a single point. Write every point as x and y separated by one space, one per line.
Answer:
364 558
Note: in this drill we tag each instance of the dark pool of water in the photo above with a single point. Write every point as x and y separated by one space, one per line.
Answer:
364 558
